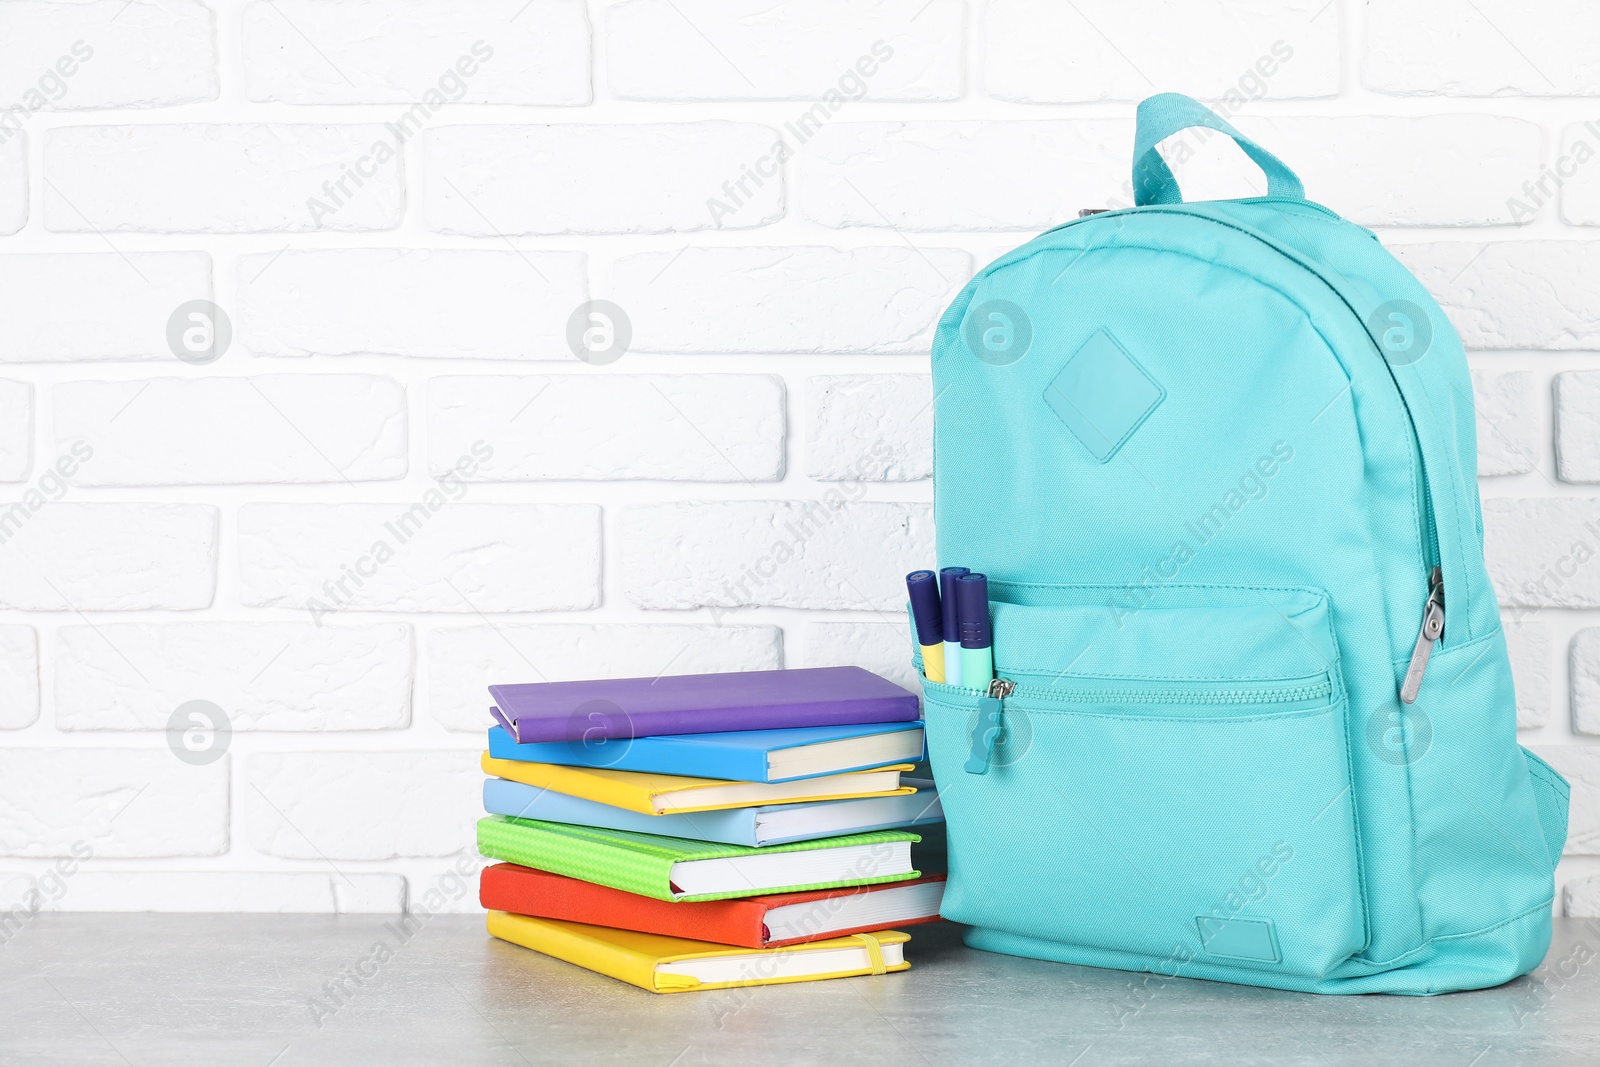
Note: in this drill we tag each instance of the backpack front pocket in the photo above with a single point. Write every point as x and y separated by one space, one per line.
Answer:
1171 784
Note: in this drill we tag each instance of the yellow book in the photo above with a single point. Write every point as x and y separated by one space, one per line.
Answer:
663 964
662 794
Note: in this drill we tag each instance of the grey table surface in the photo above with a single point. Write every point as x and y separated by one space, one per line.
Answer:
264 989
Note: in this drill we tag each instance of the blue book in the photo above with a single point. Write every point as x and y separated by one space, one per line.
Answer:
774 824
745 756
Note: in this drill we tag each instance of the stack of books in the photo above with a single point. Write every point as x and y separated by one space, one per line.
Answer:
708 831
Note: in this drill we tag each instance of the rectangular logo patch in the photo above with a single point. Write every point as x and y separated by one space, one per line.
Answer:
1238 939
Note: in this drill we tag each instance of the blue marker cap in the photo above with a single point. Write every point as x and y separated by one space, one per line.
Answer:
947 585
972 609
923 586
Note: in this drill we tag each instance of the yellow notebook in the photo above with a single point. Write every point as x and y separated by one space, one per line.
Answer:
662 794
676 965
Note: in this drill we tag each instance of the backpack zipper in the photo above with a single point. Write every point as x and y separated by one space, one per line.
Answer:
1432 630
991 708
1086 212
991 704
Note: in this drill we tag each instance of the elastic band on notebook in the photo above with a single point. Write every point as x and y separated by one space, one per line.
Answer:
874 952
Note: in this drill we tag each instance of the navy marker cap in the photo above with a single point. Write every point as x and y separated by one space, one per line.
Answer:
923 587
972 610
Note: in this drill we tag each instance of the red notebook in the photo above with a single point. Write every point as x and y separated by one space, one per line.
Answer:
753 922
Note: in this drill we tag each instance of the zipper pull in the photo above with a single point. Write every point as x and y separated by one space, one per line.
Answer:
1432 630
990 710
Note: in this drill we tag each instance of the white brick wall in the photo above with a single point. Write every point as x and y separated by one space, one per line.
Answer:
13 184
1508 429
866 427
483 303
1528 641
361 805
883 647
994 175
1392 171
578 178
699 427
795 299
1040 52
215 431
114 802
1586 681
1539 551
1580 186
364 510
1452 48
394 52
828 553
883 49
1514 294
1577 396
94 305
19 676
422 555
67 556
16 430
266 676
244 178
107 53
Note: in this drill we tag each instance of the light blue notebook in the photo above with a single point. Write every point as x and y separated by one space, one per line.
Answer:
775 824
745 756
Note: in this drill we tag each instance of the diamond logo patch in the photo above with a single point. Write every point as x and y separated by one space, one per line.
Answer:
1103 395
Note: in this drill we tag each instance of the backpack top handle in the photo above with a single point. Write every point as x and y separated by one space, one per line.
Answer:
1162 116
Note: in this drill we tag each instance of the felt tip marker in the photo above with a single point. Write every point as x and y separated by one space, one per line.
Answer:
923 587
977 637
951 629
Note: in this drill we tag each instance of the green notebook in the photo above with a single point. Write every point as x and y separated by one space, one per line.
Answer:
673 868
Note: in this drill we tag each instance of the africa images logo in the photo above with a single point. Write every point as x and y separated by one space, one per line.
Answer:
998 332
1403 331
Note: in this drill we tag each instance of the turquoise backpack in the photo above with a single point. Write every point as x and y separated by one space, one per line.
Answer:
1252 718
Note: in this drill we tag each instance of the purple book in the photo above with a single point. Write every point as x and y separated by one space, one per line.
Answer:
699 704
